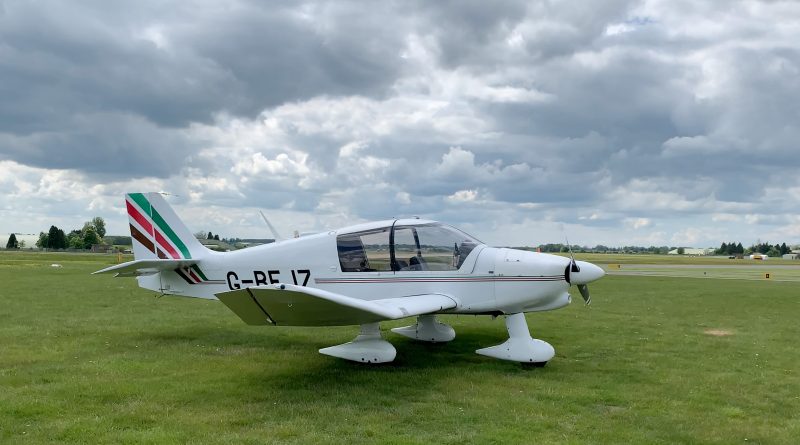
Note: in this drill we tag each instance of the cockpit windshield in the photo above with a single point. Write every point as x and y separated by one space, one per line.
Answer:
431 246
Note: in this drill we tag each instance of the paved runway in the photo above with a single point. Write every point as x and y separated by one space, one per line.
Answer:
762 271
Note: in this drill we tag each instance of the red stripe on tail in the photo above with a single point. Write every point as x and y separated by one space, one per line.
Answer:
139 218
166 245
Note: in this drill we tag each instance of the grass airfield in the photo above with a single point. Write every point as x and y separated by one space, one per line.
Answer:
655 359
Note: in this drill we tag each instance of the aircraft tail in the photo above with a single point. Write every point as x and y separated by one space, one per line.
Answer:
157 232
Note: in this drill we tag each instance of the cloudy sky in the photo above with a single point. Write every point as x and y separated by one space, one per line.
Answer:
623 122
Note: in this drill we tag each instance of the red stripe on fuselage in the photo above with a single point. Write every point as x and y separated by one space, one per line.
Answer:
138 217
437 280
194 277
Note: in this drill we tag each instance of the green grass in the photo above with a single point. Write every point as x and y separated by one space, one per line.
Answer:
93 359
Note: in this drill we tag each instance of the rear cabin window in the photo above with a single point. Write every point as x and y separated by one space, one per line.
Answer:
364 251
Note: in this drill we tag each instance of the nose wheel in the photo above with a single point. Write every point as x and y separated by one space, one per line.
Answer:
520 346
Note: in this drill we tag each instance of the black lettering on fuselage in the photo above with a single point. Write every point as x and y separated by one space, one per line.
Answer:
231 283
305 272
261 278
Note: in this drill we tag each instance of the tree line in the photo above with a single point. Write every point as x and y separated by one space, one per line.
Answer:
90 234
558 247
762 248
732 248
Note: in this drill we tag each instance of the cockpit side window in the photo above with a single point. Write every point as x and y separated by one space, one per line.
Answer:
364 251
432 247
416 248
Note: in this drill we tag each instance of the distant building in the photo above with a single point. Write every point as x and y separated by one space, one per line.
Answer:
219 246
29 239
792 256
252 242
693 251
235 244
102 248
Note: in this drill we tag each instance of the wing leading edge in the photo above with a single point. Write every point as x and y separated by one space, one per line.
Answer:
290 305
139 268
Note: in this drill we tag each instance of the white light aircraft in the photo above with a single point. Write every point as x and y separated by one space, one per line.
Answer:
359 275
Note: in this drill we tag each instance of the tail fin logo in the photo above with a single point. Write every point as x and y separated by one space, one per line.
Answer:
150 229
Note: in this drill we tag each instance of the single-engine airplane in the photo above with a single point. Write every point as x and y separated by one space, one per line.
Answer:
359 275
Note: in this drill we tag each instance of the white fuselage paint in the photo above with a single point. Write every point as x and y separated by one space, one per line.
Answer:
491 280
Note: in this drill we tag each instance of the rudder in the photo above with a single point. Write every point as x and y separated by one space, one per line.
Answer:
157 231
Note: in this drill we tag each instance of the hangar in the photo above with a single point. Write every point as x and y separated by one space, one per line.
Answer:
692 251
29 239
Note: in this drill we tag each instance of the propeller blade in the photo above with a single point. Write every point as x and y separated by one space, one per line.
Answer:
573 265
584 289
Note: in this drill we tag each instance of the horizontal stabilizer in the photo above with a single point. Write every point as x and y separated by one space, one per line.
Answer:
290 305
138 268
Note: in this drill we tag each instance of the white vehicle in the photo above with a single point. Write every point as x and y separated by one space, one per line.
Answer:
359 275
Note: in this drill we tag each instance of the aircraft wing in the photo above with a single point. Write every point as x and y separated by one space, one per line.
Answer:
290 305
139 268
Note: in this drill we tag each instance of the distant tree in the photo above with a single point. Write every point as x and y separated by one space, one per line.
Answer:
62 239
681 250
42 241
773 252
723 249
75 240
784 249
99 226
90 237
739 248
209 236
51 237
56 238
216 237
12 242
117 240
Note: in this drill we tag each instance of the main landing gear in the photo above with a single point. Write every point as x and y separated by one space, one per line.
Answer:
370 347
520 346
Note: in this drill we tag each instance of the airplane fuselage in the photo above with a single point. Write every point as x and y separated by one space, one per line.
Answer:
490 280
359 275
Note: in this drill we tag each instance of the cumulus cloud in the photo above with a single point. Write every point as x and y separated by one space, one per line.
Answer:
638 223
629 116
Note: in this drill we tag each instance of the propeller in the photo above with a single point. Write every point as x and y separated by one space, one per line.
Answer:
573 265
584 289
574 268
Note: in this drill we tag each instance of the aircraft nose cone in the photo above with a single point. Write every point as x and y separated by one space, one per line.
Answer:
589 272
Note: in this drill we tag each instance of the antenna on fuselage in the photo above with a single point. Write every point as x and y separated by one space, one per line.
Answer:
275 233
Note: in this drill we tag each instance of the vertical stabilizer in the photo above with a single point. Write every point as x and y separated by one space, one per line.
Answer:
156 230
